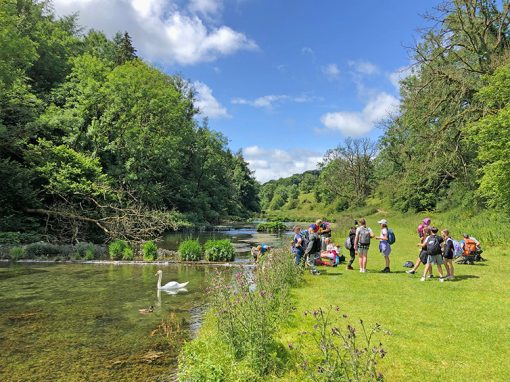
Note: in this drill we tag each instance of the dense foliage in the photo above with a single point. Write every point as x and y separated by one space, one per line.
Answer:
273 226
96 143
150 251
190 250
219 250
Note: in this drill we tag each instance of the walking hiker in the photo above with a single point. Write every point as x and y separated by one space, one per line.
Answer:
313 249
432 245
422 256
362 243
384 244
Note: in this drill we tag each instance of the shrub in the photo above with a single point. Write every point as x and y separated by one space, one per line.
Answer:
272 227
247 312
120 249
17 253
219 250
89 253
190 250
42 249
150 251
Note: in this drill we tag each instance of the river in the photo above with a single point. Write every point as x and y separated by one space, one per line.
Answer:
81 322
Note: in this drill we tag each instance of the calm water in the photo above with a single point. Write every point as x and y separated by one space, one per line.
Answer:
81 322
243 236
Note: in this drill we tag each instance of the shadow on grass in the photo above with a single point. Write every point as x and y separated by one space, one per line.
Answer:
463 277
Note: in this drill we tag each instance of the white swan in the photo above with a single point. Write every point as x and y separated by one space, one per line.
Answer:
169 285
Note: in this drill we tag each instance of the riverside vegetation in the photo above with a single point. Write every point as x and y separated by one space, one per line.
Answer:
98 145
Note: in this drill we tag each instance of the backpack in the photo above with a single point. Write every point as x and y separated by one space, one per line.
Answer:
391 236
316 245
433 246
457 249
364 236
347 243
304 239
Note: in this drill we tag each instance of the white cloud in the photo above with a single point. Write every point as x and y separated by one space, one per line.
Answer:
206 7
270 101
331 71
307 50
276 163
207 104
356 124
363 67
161 30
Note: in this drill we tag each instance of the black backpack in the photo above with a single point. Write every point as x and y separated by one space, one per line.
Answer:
433 246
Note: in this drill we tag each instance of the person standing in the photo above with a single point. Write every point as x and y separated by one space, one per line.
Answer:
423 231
448 254
324 232
352 249
384 244
432 245
298 245
313 248
362 243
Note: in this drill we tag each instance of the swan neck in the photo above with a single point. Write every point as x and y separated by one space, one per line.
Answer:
159 280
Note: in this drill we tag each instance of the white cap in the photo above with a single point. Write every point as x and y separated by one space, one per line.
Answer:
383 221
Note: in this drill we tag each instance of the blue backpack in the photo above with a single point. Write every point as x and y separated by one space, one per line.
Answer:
391 237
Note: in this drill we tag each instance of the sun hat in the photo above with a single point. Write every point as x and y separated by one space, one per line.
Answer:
383 221
426 221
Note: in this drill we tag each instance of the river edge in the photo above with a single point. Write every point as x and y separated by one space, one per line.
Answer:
247 264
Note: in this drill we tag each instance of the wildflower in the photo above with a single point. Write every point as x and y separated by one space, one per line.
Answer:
337 308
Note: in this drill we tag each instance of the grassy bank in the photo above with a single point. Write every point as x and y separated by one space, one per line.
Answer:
453 331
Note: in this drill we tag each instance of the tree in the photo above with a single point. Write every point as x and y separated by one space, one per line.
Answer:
347 172
492 136
124 49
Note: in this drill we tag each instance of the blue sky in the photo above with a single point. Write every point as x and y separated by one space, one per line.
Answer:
283 80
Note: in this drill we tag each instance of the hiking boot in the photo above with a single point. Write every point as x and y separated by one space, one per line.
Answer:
430 276
450 277
411 272
349 267
441 279
386 270
423 279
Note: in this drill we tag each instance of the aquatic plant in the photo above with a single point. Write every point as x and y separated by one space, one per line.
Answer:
120 249
274 226
219 250
150 251
190 250
17 253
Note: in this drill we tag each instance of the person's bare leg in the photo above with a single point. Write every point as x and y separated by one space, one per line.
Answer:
426 270
440 270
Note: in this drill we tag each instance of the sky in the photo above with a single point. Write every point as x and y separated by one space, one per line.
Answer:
283 80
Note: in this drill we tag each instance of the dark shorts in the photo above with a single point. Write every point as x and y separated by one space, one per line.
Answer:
448 257
423 257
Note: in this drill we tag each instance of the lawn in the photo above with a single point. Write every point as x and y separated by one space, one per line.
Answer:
454 331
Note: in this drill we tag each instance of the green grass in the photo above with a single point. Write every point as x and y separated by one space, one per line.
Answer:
453 331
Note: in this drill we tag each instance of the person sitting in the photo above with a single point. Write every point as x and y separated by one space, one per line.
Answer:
471 249
259 251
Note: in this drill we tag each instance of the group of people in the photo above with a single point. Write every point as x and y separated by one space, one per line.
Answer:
441 249
310 246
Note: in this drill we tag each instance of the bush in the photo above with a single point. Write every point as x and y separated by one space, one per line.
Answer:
17 253
37 250
190 250
89 253
245 315
219 250
120 249
272 227
150 251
